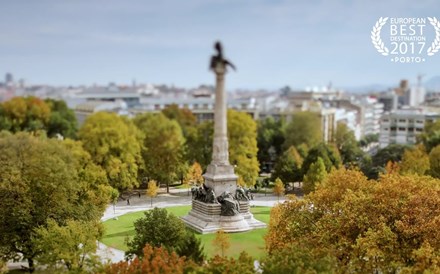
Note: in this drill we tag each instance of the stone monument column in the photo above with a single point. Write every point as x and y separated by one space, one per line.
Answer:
220 154
218 204
220 174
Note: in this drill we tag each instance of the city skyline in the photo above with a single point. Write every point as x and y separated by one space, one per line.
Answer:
277 43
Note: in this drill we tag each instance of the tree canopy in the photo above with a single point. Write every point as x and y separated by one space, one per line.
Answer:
113 143
62 119
314 176
270 138
347 145
326 152
288 166
24 114
364 225
163 148
305 128
157 228
242 135
415 160
42 179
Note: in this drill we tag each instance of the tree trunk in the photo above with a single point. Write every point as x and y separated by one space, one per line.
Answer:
168 187
31 265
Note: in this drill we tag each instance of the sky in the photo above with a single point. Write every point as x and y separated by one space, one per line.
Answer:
272 43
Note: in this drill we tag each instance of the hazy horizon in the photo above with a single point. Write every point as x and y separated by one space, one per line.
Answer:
273 43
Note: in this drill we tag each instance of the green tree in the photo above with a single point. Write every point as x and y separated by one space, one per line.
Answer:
347 145
415 161
305 128
40 180
191 247
163 148
199 144
392 153
288 166
327 153
242 135
315 175
72 244
114 144
434 160
430 136
157 228
270 138
62 119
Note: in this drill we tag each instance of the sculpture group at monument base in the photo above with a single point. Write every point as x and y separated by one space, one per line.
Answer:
205 218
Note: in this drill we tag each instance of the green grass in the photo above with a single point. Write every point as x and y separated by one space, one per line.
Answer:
118 231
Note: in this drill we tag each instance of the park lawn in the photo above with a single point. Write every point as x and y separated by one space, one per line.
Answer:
117 232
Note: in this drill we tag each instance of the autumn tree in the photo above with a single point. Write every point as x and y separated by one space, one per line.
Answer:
305 128
114 144
183 116
62 119
94 190
194 174
221 242
72 245
314 176
297 259
24 114
42 179
365 225
288 166
242 136
153 260
415 161
163 148
346 143
278 188
152 190
244 264
157 228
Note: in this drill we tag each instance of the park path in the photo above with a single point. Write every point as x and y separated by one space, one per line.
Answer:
176 197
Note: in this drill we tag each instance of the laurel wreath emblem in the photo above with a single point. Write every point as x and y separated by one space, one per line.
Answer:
375 36
435 46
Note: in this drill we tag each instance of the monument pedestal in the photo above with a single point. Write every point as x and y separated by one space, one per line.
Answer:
205 218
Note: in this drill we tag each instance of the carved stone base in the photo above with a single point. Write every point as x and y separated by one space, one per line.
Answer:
205 218
221 178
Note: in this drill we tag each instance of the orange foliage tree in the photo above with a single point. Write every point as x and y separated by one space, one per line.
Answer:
366 225
154 260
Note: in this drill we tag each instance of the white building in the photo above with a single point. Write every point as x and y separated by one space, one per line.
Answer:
402 126
415 96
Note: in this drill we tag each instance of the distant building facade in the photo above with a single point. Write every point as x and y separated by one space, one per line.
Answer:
402 126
